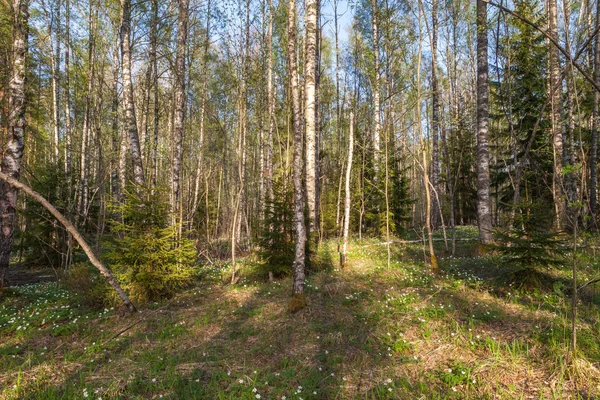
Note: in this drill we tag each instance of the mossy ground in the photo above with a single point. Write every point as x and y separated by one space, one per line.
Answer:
368 331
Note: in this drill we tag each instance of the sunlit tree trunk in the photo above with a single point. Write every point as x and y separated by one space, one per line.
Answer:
298 300
128 98
435 120
310 114
347 197
67 91
13 152
484 216
180 100
376 84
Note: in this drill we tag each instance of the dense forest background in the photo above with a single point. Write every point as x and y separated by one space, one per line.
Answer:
192 103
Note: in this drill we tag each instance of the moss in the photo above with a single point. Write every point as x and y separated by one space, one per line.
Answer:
297 302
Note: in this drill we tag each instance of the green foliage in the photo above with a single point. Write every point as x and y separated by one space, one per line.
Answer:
90 288
144 252
531 242
276 242
44 239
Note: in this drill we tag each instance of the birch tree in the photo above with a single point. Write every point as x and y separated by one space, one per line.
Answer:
484 216
128 95
298 300
13 152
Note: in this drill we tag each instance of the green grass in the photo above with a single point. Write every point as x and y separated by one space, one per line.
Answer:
369 332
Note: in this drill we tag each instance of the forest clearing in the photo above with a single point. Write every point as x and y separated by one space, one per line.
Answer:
369 332
299 199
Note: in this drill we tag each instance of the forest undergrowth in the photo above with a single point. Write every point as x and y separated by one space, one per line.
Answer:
369 332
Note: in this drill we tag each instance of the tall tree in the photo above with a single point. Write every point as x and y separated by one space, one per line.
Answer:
13 153
298 299
595 125
310 87
128 95
180 100
347 194
376 84
435 117
556 111
484 215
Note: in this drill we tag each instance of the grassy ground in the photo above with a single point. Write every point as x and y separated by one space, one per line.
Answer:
369 332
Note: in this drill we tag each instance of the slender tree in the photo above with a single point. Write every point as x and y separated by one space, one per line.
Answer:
347 194
310 87
484 215
13 152
180 100
298 298
128 95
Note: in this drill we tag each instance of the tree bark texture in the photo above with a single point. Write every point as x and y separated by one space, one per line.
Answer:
299 227
556 111
484 215
435 120
13 152
128 98
310 114
180 100
347 197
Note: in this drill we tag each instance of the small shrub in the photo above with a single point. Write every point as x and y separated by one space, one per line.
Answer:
90 288
144 252
276 242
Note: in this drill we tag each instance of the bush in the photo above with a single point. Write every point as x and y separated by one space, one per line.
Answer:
530 242
276 242
90 288
144 252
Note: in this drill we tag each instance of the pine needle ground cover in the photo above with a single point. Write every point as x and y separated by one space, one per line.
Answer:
369 332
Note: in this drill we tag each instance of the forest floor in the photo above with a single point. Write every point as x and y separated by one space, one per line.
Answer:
369 332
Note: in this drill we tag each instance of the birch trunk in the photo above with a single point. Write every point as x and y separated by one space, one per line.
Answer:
179 117
67 91
310 114
595 125
87 119
128 99
13 153
347 198
298 299
435 121
556 111
376 84
484 216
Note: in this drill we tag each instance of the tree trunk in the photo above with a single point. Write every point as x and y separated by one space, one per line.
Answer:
556 111
310 114
484 216
298 300
84 189
67 92
180 100
595 126
435 120
128 99
9 181
347 198
375 85
13 153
